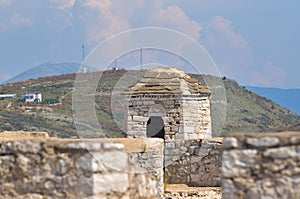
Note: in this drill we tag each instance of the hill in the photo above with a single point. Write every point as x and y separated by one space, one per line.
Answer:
246 110
45 69
287 98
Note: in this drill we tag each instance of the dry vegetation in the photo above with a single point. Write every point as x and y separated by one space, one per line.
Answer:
246 111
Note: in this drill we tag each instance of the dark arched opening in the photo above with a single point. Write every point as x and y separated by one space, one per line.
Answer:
155 127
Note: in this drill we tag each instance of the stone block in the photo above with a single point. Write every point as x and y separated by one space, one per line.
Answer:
263 142
230 142
282 152
112 160
87 163
169 145
109 183
295 139
88 145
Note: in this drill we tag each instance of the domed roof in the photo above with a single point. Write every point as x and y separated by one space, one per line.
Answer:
168 80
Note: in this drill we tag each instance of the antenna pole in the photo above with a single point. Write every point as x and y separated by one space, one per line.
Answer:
83 52
141 58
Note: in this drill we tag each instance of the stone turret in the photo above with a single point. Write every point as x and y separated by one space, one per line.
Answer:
169 104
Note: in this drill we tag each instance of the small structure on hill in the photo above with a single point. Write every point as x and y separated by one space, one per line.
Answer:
3 96
169 104
32 97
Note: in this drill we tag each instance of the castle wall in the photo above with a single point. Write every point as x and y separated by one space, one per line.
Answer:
261 166
71 169
193 162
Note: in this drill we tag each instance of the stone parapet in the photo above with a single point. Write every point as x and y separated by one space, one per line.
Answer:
148 153
182 191
55 168
261 166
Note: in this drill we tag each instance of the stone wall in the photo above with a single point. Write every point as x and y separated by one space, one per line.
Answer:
142 107
261 166
196 117
185 192
181 101
148 153
185 117
194 163
71 169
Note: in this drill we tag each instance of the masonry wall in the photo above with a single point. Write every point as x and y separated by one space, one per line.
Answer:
71 169
196 117
261 166
142 107
148 153
194 163
184 192
185 117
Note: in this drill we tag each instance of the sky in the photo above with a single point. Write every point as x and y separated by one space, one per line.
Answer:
253 42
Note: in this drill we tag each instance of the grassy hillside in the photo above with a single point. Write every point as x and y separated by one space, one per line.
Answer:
246 111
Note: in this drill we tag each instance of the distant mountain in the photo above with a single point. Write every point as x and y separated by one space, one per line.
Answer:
44 70
288 98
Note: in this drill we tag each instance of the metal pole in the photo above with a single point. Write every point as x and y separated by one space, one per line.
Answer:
82 52
141 58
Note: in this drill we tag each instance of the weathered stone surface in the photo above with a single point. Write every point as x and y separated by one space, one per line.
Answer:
116 160
262 166
184 105
109 183
56 168
230 142
181 191
195 163
263 142
23 135
282 152
238 163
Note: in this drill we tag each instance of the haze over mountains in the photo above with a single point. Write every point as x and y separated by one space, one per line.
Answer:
44 70
287 98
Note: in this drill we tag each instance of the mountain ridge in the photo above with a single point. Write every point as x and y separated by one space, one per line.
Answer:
284 97
287 98
44 70
246 110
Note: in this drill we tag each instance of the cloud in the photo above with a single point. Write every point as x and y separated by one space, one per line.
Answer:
268 76
115 16
5 2
15 21
105 23
230 51
173 17
105 29
61 20
224 27
102 6
18 20
63 4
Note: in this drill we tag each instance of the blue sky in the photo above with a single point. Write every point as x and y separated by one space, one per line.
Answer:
254 42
